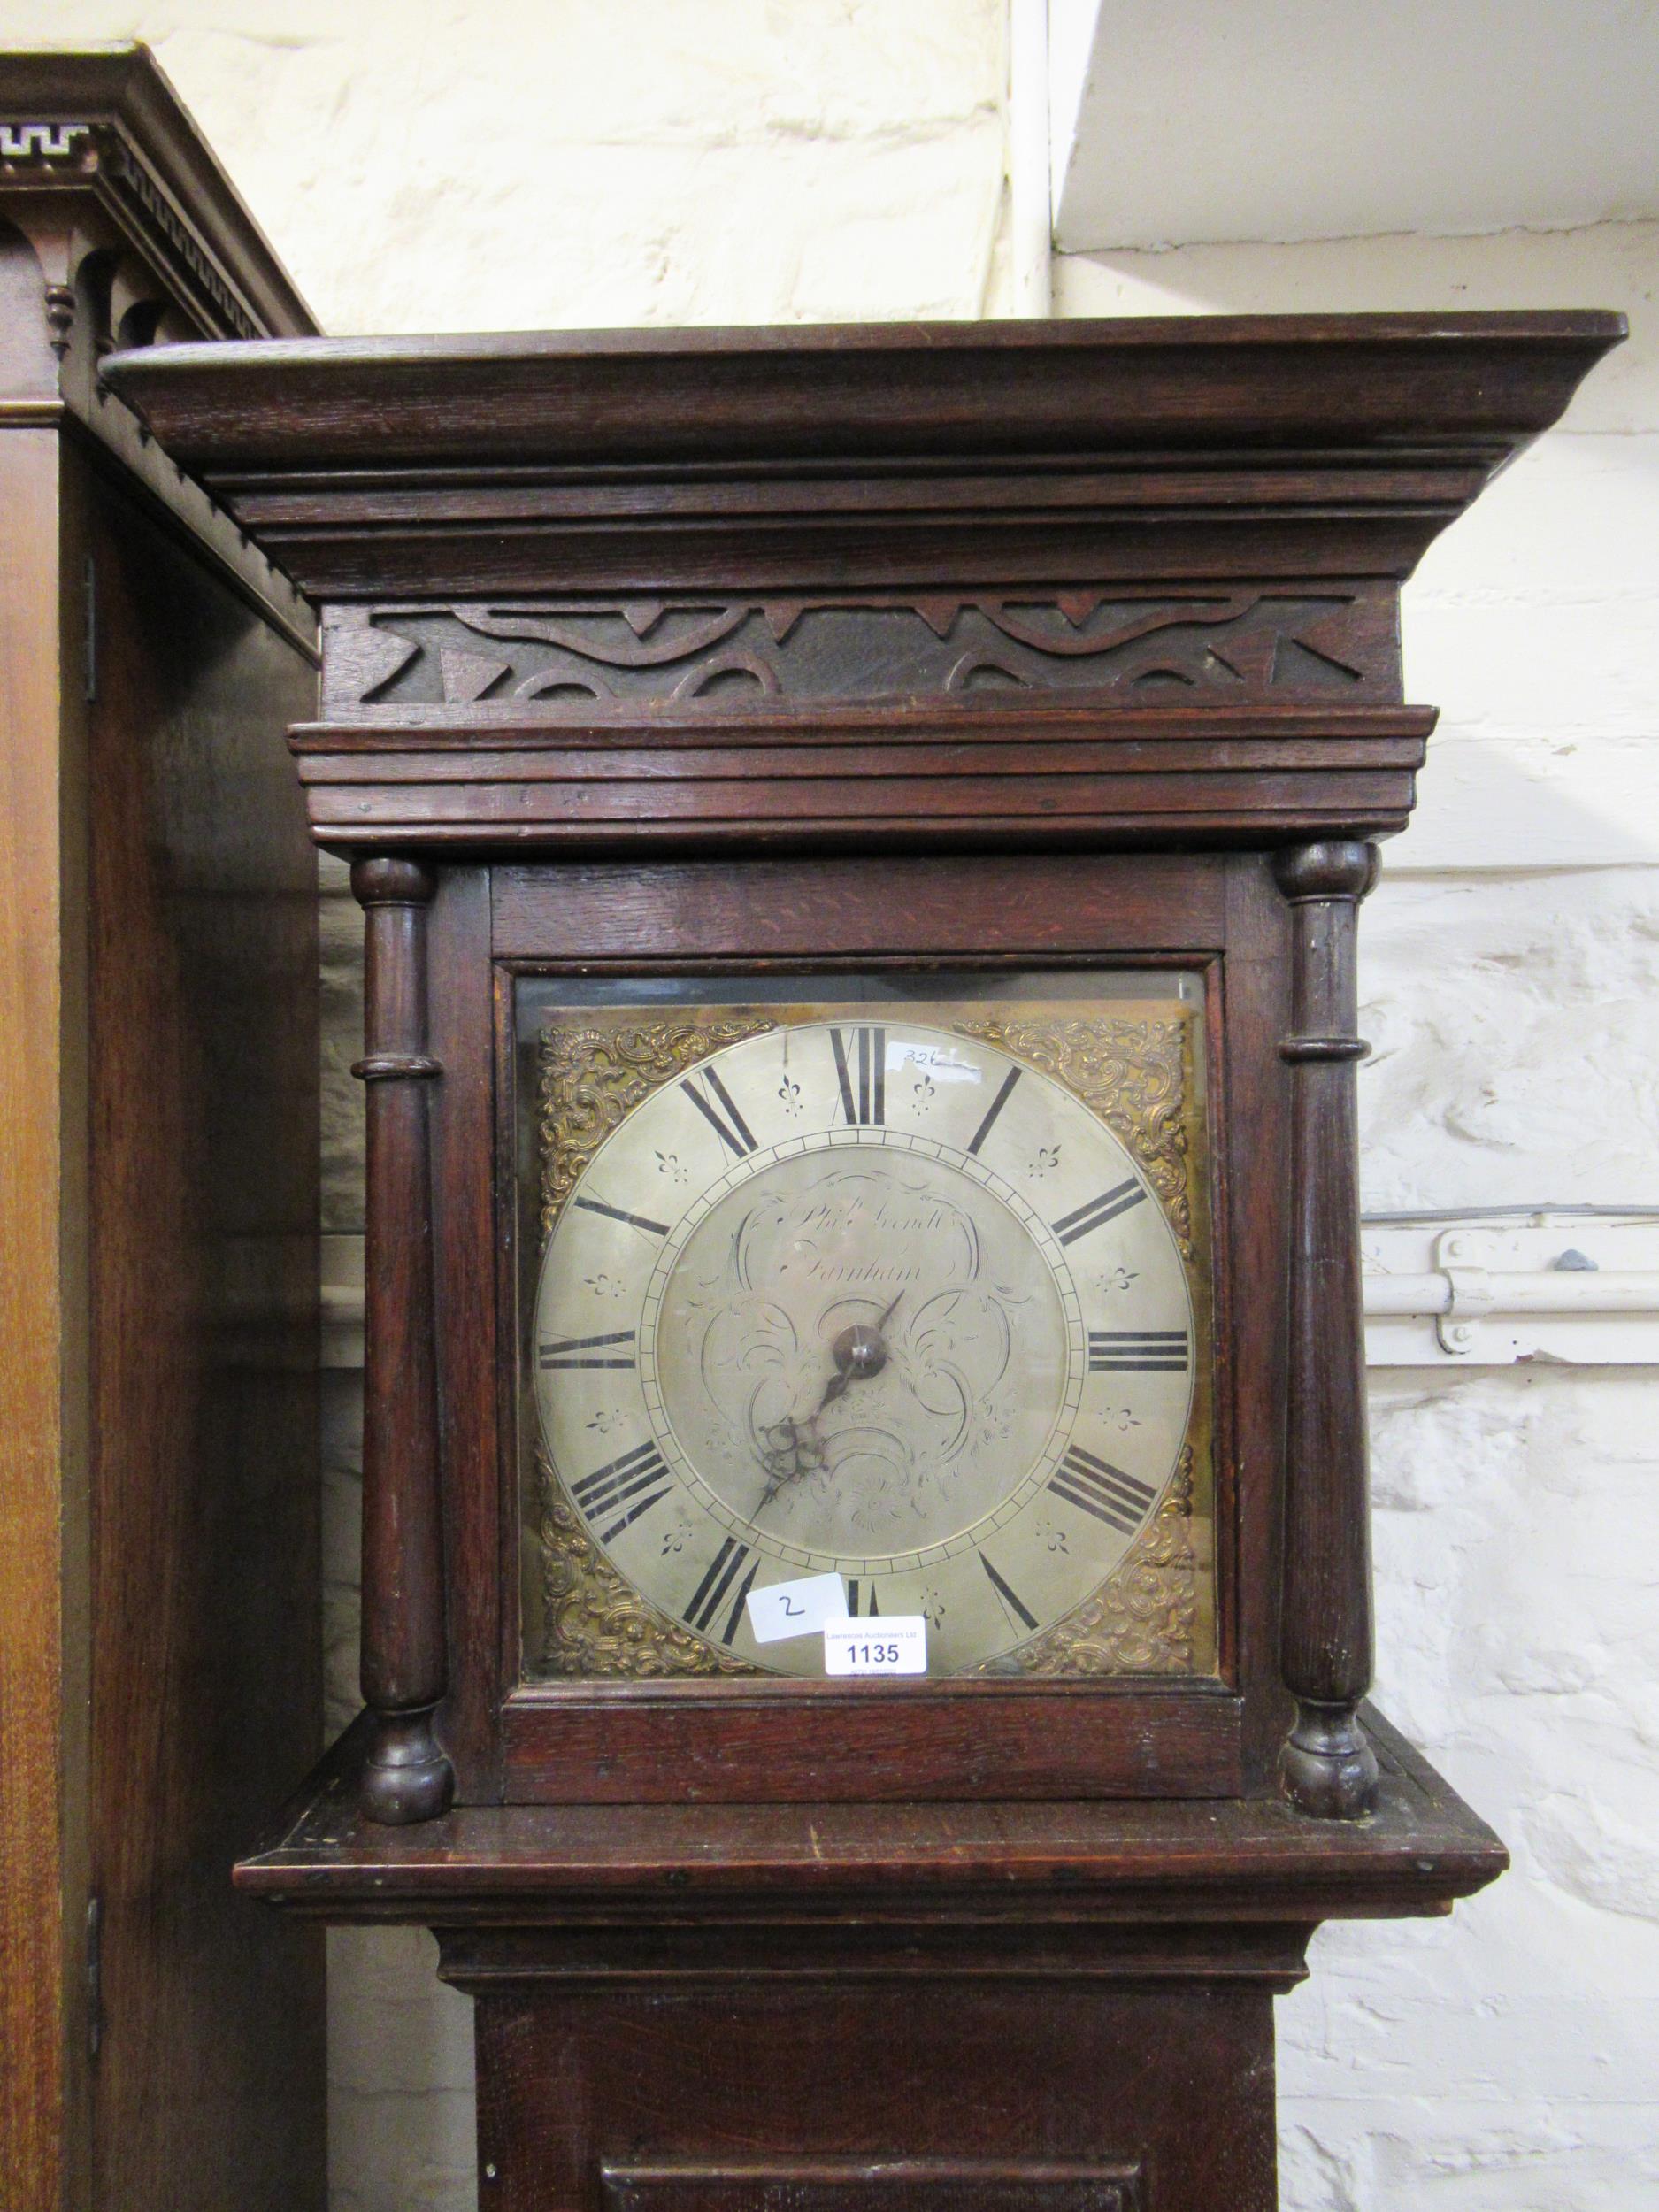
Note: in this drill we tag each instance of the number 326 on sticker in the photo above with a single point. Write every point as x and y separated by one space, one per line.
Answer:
898 1646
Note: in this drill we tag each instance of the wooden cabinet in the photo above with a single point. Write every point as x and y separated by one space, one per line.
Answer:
158 1571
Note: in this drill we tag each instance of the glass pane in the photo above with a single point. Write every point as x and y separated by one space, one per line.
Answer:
900 1279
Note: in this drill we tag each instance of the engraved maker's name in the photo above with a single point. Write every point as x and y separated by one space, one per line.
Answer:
829 1225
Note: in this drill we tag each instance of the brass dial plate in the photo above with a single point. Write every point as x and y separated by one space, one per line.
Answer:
880 1291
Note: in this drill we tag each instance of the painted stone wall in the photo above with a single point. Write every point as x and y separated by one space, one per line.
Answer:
524 165
433 165
1502 2060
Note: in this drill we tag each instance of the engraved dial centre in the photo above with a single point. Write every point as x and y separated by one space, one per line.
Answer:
862 1351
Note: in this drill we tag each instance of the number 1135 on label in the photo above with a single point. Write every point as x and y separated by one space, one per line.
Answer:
898 1646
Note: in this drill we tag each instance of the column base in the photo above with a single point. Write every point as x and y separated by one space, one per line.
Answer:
406 1775
1327 1766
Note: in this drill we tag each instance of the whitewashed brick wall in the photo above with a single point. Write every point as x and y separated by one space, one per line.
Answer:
430 164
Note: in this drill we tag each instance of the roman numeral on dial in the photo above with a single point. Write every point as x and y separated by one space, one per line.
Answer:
714 1103
716 1585
861 1069
1014 1607
1137 1351
1106 1208
871 1611
615 1213
994 1109
1103 1490
620 1487
586 1351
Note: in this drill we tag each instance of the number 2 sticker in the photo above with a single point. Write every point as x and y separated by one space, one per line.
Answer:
797 1609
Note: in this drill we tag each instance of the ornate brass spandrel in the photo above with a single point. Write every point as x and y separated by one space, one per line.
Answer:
596 1067
1148 1617
594 1626
1136 1076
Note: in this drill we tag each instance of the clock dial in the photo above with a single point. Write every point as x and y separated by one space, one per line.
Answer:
875 1299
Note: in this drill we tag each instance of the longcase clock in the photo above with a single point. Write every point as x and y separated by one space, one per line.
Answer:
867 1586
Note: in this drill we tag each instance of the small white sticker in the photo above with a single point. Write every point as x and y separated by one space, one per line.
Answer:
898 1646
797 1609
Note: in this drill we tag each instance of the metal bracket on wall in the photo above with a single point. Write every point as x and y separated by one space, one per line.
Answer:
1573 1286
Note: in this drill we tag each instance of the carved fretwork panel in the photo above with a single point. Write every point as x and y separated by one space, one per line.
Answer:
1217 643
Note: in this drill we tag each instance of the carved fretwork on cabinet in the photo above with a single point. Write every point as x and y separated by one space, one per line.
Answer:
862 832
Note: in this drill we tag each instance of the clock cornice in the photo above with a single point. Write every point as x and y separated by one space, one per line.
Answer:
1309 445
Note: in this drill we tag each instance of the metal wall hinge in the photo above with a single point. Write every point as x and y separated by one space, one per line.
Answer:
1574 1286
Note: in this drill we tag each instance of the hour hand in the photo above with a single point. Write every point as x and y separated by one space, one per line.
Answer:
789 1450
833 1390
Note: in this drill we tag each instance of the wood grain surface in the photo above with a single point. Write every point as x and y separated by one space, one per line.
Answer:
1329 1769
932 455
157 1263
1177 384
849 2093
1052 775
43 1355
405 1660
657 1866
202 1072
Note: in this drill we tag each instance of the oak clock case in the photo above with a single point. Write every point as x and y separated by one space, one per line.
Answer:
886 1283
714 716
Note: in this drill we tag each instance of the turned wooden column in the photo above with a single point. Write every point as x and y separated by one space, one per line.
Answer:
406 1775
1327 1767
